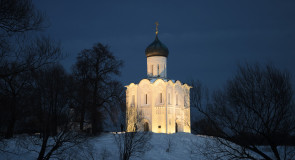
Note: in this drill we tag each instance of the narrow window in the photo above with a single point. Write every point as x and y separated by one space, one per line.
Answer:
145 98
176 99
158 69
161 100
152 70
168 98
165 70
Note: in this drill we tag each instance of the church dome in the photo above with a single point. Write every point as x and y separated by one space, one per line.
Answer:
157 48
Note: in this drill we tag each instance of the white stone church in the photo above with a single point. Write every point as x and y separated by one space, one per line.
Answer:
157 103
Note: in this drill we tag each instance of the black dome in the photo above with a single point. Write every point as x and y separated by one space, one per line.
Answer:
157 48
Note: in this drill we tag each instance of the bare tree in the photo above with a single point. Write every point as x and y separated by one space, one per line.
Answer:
43 97
53 89
254 111
94 70
16 78
199 96
30 55
13 88
19 16
136 143
81 97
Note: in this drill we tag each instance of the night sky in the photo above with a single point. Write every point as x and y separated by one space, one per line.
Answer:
206 39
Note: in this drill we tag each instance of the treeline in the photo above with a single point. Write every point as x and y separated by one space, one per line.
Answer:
255 108
37 95
49 97
56 109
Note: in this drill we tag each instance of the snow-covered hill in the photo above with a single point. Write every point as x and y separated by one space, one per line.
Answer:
162 146
183 146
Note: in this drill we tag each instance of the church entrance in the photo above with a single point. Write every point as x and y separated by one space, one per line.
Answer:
176 127
146 127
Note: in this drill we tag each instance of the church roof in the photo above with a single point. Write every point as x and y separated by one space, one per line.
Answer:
156 48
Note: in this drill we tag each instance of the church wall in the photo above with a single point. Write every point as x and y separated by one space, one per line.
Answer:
157 113
178 106
187 123
131 104
159 106
171 107
145 94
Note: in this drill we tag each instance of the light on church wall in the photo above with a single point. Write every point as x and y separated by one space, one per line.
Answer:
154 109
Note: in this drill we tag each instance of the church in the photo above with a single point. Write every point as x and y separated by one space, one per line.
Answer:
158 104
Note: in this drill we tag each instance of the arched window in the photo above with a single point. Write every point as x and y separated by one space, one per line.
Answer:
146 99
176 99
146 127
176 127
169 98
161 98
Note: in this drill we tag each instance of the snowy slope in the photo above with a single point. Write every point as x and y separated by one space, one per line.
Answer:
182 146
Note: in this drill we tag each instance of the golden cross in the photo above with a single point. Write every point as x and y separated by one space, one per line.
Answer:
157 31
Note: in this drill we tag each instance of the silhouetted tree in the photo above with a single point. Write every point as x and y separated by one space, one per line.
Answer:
135 143
16 78
35 93
81 96
205 127
17 17
199 96
13 89
53 88
254 108
93 71
29 56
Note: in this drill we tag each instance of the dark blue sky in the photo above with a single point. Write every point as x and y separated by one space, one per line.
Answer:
206 39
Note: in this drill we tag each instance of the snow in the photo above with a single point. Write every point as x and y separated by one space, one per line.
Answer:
104 145
152 80
182 146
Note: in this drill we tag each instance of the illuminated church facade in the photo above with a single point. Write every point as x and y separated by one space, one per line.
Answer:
156 103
